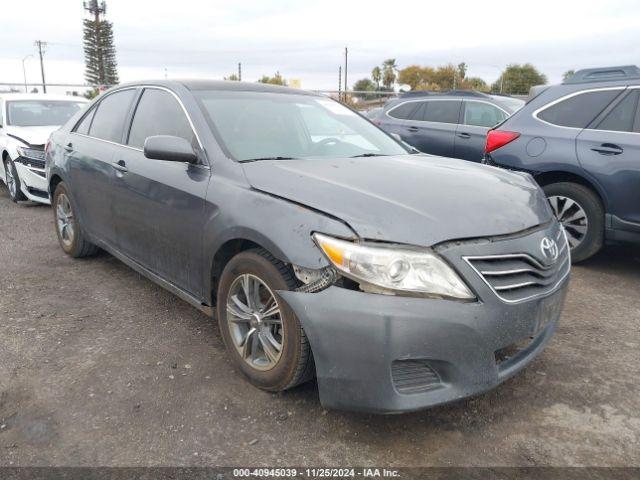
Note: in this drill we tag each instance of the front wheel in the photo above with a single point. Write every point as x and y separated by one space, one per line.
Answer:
13 181
580 212
262 334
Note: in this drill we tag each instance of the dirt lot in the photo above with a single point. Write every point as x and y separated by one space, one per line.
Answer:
98 366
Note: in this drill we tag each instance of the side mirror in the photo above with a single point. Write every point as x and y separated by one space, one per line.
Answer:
172 149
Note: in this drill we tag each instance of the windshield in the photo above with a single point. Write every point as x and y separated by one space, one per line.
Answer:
258 125
38 113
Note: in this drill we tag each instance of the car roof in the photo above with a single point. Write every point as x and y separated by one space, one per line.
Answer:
41 96
503 101
220 85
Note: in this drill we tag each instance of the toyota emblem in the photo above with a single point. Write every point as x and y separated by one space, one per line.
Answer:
549 249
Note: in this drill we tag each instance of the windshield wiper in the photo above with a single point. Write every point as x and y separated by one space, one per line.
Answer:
267 158
369 155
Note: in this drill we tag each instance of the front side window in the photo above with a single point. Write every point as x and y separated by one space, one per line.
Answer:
441 111
159 113
40 113
482 114
259 125
580 110
109 119
622 116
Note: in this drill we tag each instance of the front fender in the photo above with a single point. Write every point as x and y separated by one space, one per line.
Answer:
280 226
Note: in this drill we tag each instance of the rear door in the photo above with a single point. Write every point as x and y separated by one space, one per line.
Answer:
90 148
432 127
471 135
609 149
158 205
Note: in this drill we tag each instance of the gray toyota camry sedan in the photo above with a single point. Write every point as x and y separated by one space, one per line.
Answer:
321 244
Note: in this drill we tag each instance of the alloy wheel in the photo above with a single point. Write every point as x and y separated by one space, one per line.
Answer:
572 217
65 220
255 322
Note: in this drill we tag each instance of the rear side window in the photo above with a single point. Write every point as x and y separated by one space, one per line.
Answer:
159 113
481 114
442 111
403 111
109 119
622 116
580 110
83 126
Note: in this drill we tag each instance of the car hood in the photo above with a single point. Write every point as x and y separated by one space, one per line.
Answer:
418 199
31 135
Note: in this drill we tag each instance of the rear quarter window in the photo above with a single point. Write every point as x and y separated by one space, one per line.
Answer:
579 110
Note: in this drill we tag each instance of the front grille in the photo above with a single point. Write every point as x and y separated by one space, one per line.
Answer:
33 163
413 376
520 276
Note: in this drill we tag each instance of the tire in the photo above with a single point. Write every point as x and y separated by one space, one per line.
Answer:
583 245
72 239
13 181
294 364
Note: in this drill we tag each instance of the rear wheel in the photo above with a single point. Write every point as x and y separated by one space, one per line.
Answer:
13 181
580 212
70 235
262 334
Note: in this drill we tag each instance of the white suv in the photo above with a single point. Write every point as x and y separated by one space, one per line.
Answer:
26 121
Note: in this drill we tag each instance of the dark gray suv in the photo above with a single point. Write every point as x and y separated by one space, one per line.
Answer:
322 245
581 142
450 124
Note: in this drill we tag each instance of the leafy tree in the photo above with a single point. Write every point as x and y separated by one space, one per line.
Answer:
275 80
376 76
364 85
518 79
233 77
474 83
101 67
568 74
389 72
415 76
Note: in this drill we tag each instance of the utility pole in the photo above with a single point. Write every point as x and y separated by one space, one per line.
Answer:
24 73
41 49
340 83
239 71
346 61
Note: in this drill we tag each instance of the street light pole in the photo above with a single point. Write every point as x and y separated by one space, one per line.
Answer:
24 73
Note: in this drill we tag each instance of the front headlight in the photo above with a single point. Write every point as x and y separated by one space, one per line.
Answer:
31 153
394 268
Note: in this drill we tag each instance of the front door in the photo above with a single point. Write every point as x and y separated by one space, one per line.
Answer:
158 205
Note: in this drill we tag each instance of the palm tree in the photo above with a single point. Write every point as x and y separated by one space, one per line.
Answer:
376 76
389 69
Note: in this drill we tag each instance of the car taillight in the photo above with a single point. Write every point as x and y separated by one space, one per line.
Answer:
499 138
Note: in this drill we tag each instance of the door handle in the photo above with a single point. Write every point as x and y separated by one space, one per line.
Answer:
463 135
69 147
121 166
412 129
607 149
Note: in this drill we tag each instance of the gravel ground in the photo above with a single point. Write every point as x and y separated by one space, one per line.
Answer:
99 366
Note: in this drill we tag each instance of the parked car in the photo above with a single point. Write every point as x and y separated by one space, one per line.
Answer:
26 121
451 124
581 142
340 256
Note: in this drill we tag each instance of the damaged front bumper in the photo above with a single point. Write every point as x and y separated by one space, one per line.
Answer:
33 179
388 354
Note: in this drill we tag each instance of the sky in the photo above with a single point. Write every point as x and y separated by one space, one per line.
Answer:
305 39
